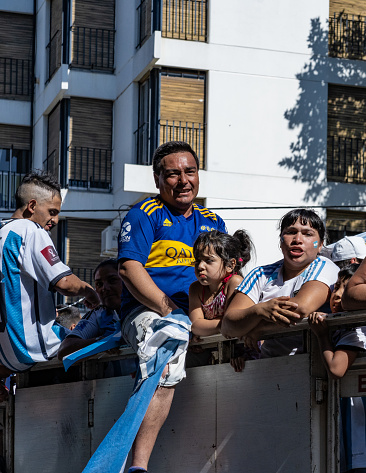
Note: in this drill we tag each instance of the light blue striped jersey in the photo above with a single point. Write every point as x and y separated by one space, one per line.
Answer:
30 268
266 282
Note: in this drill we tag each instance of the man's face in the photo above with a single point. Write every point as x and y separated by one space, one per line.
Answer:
45 212
108 285
178 180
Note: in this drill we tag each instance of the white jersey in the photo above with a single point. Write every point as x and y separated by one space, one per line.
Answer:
266 282
30 268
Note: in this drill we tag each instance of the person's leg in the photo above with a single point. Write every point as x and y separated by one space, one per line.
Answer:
154 419
134 329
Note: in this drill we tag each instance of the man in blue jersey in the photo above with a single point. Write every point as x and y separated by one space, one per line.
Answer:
157 266
31 271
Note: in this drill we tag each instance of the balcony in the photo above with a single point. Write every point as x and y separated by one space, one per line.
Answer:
346 159
90 168
143 22
192 133
171 130
92 48
85 274
184 19
9 182
52 164
347 36
54 48
15 77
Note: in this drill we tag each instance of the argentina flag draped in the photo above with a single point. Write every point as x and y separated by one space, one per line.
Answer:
165 340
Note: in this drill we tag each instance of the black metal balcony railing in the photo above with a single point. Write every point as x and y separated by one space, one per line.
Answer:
85 274
9 182
143 21
52 164
15 76
90 168
54 48
347 36
185 19
142 143
93 48
346 159
192 133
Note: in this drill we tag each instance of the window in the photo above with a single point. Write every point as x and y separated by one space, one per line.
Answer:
346 149
171 108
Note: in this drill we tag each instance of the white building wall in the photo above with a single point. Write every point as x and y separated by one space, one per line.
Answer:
267 75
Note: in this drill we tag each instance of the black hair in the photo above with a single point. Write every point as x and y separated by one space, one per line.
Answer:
306 217
42 179
107 262
238 246
348 271
171 147
68 315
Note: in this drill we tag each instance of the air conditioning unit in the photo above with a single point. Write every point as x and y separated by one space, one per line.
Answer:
110 242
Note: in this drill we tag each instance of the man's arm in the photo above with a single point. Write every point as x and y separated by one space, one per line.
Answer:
71 285
143 288
354 296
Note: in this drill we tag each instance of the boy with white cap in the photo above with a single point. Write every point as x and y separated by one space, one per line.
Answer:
349 250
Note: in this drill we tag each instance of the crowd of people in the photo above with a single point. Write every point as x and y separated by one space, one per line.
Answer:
175 254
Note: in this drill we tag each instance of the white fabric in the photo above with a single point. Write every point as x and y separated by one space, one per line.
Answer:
30 268
266 282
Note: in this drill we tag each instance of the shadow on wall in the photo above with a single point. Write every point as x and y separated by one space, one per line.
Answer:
308 154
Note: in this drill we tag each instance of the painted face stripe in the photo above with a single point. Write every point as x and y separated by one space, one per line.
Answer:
13 297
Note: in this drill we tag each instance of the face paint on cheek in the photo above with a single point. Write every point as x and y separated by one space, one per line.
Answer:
315 244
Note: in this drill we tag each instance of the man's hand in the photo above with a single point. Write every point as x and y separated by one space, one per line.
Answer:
279 310
91 300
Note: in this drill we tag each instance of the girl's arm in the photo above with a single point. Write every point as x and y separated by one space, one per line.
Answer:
242 316
200 326
232 284
337 362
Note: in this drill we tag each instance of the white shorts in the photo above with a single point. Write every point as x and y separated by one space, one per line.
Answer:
134 328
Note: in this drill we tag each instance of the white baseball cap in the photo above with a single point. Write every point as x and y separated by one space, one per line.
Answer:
349 247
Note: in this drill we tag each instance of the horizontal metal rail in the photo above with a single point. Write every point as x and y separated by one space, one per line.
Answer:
343 319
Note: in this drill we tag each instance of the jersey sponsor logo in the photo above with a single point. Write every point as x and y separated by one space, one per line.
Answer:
206 228
125 230
167 223
51 255
170 253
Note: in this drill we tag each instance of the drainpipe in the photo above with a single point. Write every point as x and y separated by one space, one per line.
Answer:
32 77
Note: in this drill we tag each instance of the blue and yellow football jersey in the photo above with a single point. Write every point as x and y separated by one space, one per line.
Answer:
162 240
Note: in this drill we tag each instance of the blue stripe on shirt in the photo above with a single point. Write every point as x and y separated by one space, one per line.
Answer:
10 269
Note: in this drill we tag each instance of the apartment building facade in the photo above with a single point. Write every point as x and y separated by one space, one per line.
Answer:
270 94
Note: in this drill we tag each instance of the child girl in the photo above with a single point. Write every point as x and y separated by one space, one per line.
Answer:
219 259
338 353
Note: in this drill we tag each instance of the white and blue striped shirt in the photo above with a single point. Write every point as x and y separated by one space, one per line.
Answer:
266 282
30 268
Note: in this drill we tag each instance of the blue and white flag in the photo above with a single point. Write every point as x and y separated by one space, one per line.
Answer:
165 340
